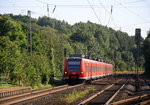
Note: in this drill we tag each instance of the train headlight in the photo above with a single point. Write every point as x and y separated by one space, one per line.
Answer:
65 72
81 72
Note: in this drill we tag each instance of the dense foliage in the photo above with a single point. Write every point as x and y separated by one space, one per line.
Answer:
146 51
49 38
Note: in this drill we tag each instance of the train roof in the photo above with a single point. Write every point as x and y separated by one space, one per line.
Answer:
79 56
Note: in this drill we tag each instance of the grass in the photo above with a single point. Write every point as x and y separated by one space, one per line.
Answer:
41 86
125 71
75 95
6 85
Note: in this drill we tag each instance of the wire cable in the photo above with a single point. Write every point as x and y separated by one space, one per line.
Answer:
131 2
94 11
108 13
136 24
44 2
132 11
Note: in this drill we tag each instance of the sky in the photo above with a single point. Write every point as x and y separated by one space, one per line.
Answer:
124 15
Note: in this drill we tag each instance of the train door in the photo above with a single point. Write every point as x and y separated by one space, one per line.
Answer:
105 70
89 70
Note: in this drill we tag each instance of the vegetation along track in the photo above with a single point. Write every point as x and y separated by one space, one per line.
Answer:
106 95
34 94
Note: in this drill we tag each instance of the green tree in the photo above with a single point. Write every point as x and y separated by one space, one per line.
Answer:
12 43
146 51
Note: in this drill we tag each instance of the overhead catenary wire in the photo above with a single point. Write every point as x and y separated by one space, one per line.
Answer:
147 4
33 12
131 2
105 6
130 25
44 2
132 11
94 11
37 13
71 6
109 13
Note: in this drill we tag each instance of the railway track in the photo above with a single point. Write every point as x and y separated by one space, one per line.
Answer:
105 96
33 94
138 100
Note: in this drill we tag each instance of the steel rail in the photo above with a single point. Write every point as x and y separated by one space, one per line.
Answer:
39 95
130 100
95 95
145 102
29 93
108 102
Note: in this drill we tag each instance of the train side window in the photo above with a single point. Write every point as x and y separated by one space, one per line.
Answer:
85 68
88 68
97 68
93 68
101 67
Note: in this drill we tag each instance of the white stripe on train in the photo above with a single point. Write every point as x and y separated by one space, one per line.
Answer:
90 77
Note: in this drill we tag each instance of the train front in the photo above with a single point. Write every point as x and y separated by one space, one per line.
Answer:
72 70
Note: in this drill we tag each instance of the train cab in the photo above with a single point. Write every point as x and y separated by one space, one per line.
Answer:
72 69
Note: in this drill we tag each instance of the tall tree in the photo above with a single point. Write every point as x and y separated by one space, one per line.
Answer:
12 44
146 51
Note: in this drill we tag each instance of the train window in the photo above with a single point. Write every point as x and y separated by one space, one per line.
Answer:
92 68
99 69
74 66
86 68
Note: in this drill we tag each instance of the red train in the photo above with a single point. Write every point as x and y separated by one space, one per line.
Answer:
78 68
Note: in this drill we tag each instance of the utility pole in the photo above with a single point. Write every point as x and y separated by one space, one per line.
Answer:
138 42
61 52
128 60
48 10
30 35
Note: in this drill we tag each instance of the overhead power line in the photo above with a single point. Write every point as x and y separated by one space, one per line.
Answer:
136 24
131 2
44 2
110 13
132 12
37 13
71 6
94 11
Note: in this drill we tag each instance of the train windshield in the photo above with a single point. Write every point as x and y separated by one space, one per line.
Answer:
73 65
